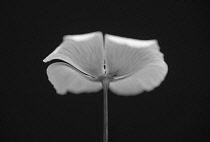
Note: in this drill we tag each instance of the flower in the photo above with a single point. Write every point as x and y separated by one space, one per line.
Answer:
131 66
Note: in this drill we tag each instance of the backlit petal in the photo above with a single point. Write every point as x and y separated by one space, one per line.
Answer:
64 79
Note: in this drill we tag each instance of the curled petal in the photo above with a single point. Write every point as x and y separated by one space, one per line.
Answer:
146 79
83 52
123 60
136 66
64 79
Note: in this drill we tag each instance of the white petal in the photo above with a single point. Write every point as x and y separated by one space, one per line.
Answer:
145 79
82 37
85 55
123 60
131 42
139 64
64 79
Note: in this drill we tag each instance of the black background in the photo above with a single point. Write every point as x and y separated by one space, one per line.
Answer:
31 111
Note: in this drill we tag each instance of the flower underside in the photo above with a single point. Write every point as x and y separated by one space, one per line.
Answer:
131 66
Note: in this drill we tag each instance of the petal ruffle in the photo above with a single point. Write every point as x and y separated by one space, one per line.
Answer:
146 79
123 59
138 68
85 54
64 79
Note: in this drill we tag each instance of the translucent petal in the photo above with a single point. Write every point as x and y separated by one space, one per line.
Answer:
146 79
130 42
64 79
123 59
86 55
137 66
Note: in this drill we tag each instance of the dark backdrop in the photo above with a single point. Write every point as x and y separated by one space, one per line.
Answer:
31 111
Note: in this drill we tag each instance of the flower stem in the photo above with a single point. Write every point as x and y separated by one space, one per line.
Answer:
105 84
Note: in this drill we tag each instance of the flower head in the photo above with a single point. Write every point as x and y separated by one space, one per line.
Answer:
131 66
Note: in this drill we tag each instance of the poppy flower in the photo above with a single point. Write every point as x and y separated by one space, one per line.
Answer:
129 66
126 66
